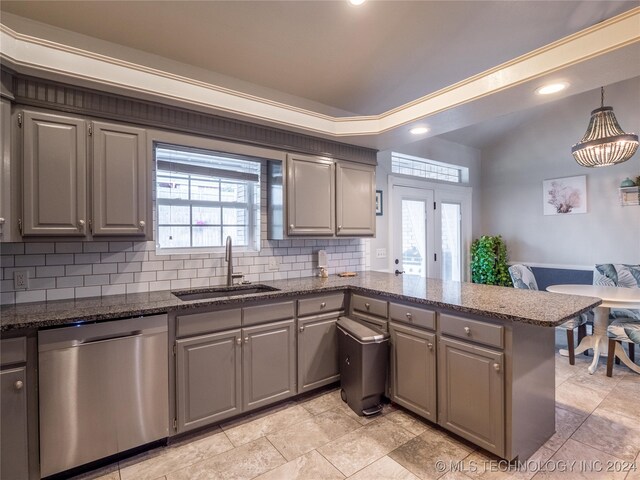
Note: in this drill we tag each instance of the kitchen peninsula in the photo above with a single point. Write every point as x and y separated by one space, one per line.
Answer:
477 360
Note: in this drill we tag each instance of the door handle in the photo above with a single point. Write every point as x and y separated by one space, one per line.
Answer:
398 272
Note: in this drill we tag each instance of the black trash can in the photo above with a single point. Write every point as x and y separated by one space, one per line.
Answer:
364 355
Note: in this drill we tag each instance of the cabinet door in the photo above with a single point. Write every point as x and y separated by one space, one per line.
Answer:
471 393
5 171
413 370
269 363
317 351
356 200
310 196
208 375
119 180
13 424
54 175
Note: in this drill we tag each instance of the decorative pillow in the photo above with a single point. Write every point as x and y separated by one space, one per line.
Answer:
617 275
522 277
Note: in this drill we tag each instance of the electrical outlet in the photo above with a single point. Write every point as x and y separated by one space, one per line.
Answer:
381 253
273 264
21 280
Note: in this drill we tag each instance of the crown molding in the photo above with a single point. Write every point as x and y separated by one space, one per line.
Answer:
36 56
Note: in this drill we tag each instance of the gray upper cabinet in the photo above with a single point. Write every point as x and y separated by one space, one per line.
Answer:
269 363
310 196
355 199
317 351
119 180
471 393
208 376
413 370
54 175
6 227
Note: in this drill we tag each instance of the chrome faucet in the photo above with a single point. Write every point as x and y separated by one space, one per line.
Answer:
228 256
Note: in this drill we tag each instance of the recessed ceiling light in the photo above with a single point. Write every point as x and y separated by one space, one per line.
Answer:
552 88
356 2
418 130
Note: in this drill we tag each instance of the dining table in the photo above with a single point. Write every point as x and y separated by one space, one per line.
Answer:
612 297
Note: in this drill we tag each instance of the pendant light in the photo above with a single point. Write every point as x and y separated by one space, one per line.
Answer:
604 143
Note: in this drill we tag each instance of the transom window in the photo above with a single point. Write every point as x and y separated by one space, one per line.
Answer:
424 168
202 197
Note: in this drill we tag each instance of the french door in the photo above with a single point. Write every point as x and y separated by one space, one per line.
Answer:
430 231
412 227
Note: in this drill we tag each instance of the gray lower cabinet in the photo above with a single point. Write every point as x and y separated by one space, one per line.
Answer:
413 370
471 393
14 408
209 379
13 427
269 363
317 351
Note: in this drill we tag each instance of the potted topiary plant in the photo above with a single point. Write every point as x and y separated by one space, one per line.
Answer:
489 261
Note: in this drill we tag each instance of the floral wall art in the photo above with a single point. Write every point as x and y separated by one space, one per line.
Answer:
565 196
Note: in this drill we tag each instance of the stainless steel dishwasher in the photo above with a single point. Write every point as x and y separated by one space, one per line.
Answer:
103 390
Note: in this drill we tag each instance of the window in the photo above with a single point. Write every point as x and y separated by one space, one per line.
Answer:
421 167
203 196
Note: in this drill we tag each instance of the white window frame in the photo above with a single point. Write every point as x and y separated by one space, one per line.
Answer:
155 137
433 170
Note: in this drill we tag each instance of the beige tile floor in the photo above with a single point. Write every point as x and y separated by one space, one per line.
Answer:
597 423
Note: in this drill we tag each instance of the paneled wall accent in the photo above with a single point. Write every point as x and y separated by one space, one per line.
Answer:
51 95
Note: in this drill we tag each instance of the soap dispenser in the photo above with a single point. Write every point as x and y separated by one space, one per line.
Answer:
323 264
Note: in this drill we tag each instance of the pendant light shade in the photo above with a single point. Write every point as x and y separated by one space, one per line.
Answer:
604 143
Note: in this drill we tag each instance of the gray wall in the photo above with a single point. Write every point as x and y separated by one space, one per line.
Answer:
511 186
436 149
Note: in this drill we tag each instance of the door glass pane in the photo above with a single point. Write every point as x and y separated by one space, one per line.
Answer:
414 244
451 243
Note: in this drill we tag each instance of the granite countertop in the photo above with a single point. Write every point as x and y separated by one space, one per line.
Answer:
533 307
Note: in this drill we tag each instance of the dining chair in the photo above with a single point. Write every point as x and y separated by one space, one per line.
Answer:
625 327
522 277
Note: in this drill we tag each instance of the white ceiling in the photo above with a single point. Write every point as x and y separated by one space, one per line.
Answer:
338 58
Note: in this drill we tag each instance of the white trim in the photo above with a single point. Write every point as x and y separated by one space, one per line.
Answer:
28 54
559 266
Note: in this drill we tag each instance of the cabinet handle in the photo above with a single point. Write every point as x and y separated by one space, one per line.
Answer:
496 367
367 306
1 221
323 304
301 328
246 339
141 224
430 346
409 316
467 330
238 341
18 385
291 226
81 225
339 227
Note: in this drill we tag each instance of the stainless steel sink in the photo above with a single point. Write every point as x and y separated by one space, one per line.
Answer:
223 292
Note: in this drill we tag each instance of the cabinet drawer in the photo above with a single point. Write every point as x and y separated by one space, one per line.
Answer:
198 323
412 315
267 313
370 306
324 303
13 350
480 332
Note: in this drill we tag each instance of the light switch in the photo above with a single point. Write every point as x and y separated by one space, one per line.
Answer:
381 253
